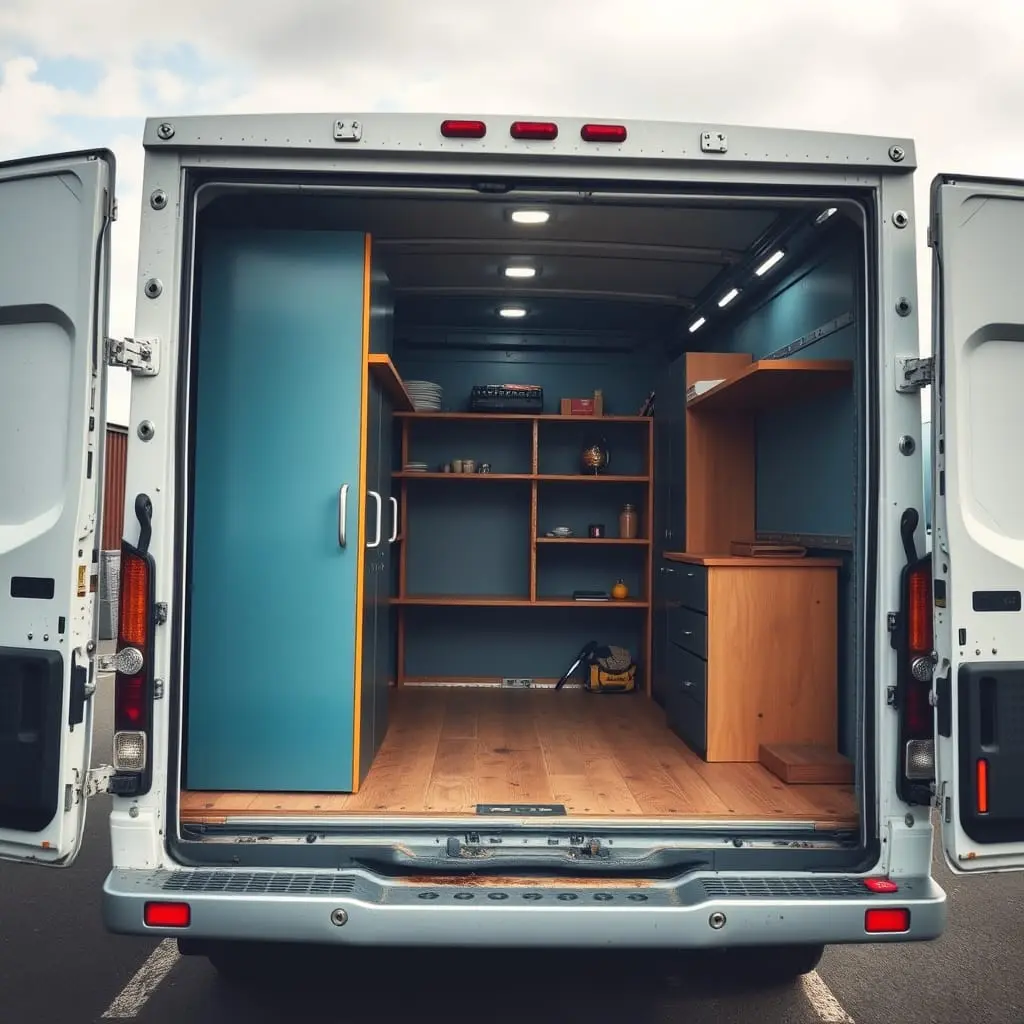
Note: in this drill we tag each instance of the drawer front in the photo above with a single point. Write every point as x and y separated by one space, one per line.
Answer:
686 585
688 719
687 673
689 629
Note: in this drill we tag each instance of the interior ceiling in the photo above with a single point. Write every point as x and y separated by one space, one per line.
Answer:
599 267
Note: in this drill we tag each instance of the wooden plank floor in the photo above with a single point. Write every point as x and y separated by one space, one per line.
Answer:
450 748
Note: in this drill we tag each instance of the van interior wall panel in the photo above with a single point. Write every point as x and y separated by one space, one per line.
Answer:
806 457
273 631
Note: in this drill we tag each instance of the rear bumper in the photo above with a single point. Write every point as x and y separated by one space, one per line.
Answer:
273 906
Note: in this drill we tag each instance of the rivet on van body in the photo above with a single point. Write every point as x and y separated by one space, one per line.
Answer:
153 288
907 445
717 920
133 811
897 154
146 430
158 199
901 218
903 306
165 131
339 917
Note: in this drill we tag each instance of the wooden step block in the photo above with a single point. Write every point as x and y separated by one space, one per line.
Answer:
804 764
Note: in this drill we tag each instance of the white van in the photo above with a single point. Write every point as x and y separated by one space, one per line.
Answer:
524 535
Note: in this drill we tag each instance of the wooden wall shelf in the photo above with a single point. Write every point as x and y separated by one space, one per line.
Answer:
384 370
593 540
521 417
498 601
771 382
571 478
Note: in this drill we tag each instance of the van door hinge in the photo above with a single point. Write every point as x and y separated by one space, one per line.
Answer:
139 355
97 781
914 374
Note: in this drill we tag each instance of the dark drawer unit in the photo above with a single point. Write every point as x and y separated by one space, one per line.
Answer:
686 584
689 629
686 702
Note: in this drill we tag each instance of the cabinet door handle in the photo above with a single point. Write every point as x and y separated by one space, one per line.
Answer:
687 683
380 516
687 632
394 519
342 514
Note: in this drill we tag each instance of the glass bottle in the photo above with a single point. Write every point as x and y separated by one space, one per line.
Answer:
628 522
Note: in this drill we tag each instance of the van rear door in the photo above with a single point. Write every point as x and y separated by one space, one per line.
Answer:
54 219
977 236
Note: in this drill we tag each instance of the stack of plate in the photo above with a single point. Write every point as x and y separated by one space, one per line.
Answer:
425 395
415 467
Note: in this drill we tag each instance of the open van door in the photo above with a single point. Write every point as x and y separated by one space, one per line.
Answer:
54 269
977 234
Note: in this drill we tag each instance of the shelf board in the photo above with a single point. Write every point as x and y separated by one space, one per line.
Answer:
771 382
524 417
384 370
559 477
591 478
497 601
633 541
412 475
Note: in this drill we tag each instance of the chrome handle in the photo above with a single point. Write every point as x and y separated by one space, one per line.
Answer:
342 514
686 682
687 632
380 516
394 520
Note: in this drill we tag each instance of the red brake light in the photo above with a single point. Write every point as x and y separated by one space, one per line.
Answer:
919 611
879 920
603 133
547 130
167 915
130 703
463 129
881 885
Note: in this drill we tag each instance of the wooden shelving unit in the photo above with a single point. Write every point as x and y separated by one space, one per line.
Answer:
767 383
384 370
642 496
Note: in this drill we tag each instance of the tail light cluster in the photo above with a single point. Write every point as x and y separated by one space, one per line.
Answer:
134 683
914 643
536 131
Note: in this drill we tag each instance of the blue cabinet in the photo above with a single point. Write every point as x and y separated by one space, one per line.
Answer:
280 627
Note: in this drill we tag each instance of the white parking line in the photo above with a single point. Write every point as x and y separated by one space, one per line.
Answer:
822 1001
145 981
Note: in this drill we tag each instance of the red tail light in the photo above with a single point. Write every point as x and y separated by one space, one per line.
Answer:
167 915
982 779
882 920
545 130
919 610
463 129
603 133
133 683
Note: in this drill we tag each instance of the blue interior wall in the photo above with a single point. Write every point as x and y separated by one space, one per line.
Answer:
473 537
807 460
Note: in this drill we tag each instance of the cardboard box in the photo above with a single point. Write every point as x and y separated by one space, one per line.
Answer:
584 406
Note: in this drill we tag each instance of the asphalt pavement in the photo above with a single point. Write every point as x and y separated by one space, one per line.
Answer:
57 964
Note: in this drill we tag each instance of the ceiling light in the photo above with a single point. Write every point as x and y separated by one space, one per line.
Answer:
512 312
698 324
769 263
520 272
825 214
531 216
728 297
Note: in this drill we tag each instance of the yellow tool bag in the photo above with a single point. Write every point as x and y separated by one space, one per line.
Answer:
610 670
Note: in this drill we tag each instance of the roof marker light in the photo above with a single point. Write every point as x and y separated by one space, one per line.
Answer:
772 260
728 297
603 133
463 129
521 272
825 215
544 130
531 216
512 312
698 324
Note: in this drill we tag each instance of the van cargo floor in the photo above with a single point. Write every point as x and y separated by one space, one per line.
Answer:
450 749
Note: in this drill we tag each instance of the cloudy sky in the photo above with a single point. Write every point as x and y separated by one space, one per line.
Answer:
75 74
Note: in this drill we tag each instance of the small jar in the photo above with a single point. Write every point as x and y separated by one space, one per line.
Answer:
628 522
